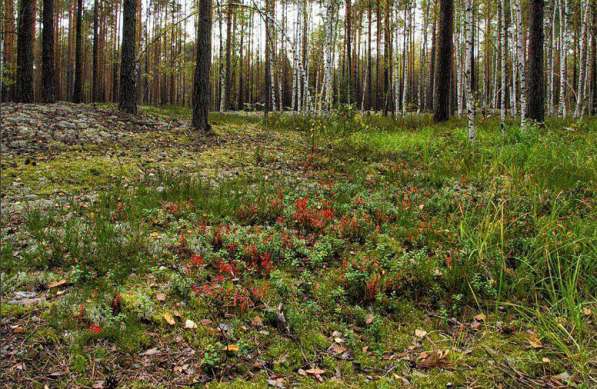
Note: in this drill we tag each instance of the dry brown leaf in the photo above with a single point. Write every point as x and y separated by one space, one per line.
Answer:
587 311
57 284
430 360
419 333
257 321
316 372
169 319
480 317
534 340
336 348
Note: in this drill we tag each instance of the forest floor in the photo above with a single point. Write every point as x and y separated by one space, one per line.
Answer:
344 251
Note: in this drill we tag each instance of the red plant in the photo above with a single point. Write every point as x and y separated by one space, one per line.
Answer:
95 329
315 219
197 260
224 267
372 287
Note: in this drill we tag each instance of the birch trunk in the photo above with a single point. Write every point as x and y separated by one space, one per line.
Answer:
563 55
514 95
504 37
521 69
580 91
470 97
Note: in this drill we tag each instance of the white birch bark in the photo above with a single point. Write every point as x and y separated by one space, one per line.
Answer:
397 68
404 59
563 55
470 97
521 69
504 37
583 64
222 94
513 47
328 53
460 51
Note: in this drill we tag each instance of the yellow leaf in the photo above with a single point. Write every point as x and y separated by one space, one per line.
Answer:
534 340
169 319
233 348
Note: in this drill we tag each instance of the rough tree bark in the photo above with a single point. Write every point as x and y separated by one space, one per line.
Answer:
78 92
24 75
48 66
201 88
536 88
128 89
444 60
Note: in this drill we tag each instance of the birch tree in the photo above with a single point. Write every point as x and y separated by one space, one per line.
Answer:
521 61
583 65
470 96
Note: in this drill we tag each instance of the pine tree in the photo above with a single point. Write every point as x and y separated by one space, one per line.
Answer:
78 91
443 60
24 75
128 90
536 89
201 88
48 66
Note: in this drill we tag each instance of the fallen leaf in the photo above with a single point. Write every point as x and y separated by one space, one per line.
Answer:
169 319
233 348
57 284
480 317
336 348
18 329
189 324
257 321
151 351
545 360
276 382
587 311
419 333
160 297
316 372
534 340
437 358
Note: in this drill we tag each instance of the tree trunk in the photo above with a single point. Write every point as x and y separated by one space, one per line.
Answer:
24 76
583 65
78 92
8 36
536 89
470 95
128 89
48 66
444 60
201 89
521 67
503 71
228 63
563 56
95 86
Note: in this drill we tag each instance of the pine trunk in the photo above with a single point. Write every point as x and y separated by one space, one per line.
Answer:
201 88
128 89
48 69
78 91
24 75
443 66
536 89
